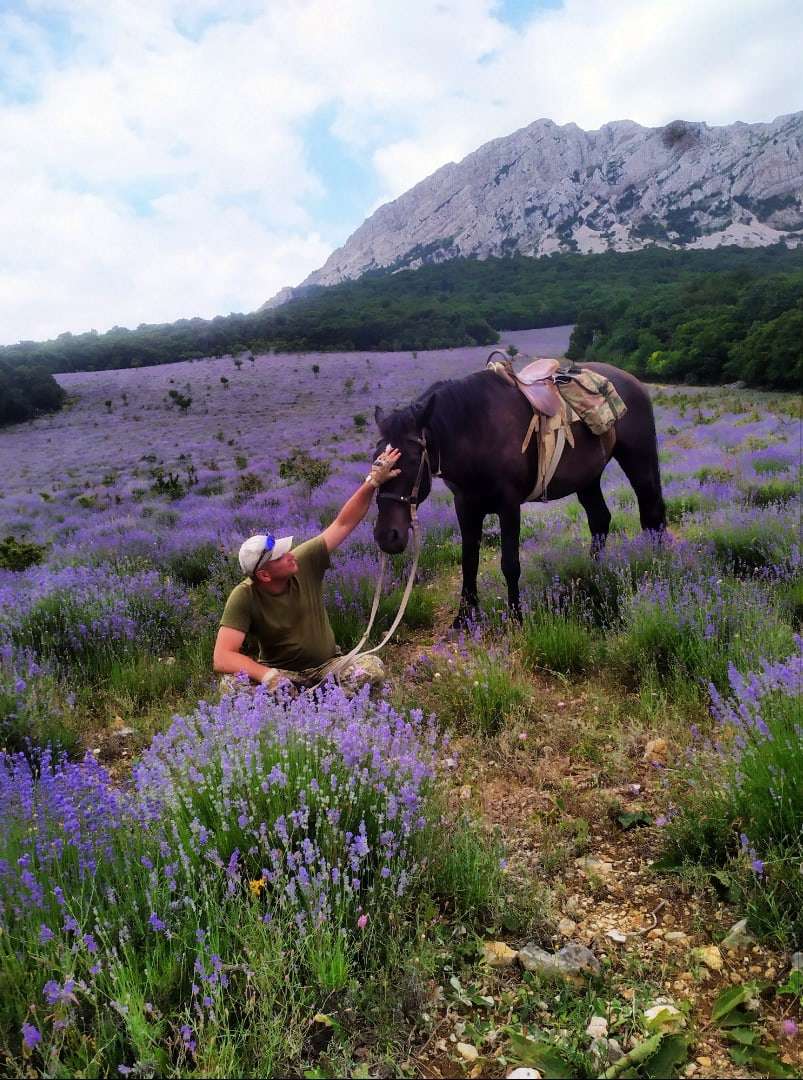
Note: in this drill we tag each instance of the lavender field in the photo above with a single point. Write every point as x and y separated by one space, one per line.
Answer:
197 885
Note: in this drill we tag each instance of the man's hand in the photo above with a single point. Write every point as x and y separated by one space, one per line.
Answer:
274 680
355 509
383 469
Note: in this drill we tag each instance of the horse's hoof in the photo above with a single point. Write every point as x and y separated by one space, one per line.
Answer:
466 618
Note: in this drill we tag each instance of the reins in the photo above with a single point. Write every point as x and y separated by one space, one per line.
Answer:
410 500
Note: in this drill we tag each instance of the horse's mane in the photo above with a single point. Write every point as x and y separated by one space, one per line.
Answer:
458 402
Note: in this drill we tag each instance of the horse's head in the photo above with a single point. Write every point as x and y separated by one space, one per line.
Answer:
406 430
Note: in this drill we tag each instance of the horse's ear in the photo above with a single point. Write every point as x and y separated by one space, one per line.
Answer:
379 415
423 412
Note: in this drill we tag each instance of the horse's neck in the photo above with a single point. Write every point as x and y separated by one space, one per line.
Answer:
444 436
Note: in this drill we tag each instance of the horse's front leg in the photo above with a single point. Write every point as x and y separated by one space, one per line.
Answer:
470 518
510 528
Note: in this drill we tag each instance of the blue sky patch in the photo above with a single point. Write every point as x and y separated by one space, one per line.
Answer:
517 13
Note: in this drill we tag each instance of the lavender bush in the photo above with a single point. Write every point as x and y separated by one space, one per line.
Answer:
136 927
739 802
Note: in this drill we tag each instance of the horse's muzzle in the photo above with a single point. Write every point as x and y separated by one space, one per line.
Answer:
390 539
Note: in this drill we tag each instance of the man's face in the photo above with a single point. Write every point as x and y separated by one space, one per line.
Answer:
278 569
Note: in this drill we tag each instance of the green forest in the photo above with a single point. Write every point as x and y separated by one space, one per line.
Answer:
696 316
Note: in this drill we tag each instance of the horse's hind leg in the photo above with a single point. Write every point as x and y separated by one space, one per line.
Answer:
599 516
641 469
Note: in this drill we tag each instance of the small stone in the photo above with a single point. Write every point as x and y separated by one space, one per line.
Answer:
616 935
597 1028
675 936
711 957
524 1073
797 961
738 937
566 927
665 1017
571 961
467 1052
705 1061
656 751
615 1052
596 867
498 954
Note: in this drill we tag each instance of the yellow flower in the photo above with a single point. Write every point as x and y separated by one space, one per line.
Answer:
257 886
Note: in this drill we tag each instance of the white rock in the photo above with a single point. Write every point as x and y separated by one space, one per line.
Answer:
616 935
597 1028
566 927
596 867
739 937
664 1016
467 1052
524 1073
572 960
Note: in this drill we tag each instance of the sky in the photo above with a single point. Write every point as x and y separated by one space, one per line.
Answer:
162 159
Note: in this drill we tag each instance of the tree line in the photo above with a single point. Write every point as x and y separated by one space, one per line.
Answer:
703 328
706 316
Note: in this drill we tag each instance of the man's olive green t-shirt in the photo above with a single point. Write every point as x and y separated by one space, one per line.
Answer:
292 628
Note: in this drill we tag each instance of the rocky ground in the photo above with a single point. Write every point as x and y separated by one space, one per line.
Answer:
575 803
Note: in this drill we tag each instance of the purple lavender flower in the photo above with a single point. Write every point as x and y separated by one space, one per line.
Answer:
31 1036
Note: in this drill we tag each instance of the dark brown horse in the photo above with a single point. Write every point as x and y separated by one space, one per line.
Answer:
470 431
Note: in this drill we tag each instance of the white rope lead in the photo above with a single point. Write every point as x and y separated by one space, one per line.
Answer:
343 661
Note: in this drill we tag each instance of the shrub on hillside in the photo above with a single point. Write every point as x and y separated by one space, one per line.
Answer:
20 554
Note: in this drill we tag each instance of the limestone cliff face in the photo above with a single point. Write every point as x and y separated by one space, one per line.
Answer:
547 188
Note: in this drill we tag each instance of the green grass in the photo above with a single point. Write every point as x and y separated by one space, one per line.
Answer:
558 644
755 793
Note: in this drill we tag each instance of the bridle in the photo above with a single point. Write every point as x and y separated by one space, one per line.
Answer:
412 499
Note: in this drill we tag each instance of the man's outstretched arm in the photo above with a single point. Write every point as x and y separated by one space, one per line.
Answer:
355 508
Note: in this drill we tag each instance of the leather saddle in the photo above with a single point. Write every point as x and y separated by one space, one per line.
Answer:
536 381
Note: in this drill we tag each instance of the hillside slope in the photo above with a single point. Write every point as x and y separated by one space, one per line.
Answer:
549 188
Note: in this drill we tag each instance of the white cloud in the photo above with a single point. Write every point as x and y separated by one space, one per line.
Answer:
161 168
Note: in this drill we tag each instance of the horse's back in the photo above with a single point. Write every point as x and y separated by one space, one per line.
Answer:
637 426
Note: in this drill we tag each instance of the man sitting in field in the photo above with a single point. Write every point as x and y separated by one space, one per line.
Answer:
281 602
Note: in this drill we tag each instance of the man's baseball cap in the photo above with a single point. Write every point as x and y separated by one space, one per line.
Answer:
261 549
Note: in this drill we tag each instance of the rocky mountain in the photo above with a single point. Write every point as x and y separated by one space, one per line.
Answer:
549 188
